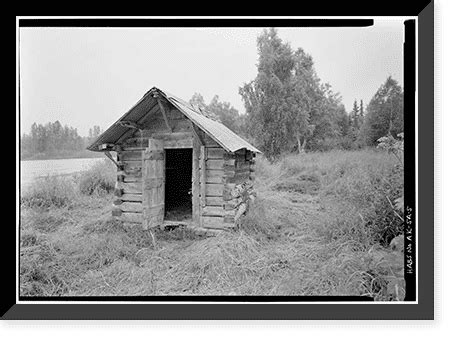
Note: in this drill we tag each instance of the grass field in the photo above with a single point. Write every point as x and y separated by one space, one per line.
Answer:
322 224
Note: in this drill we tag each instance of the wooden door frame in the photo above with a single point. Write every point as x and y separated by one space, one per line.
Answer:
195 187
151 187
196 213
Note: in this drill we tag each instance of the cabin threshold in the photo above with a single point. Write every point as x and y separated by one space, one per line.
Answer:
189 225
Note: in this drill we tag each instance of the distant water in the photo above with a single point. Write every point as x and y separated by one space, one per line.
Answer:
30 170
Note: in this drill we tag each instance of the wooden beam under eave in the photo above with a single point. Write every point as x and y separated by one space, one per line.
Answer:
164 113
106 146
196 135
130 132
109 155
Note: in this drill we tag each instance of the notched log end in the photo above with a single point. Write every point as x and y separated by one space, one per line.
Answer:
118 192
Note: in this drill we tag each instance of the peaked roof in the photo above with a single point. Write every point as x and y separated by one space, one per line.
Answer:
225 137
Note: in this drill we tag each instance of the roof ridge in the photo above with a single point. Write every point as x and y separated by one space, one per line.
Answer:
207 121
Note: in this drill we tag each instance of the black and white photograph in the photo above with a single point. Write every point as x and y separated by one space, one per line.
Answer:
274 166
217 161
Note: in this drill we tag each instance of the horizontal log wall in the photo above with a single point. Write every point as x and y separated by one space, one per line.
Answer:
171 140
238 192
226 179
212 205
127 205
228 187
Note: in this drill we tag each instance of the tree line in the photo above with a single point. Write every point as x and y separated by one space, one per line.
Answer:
53 140
288 109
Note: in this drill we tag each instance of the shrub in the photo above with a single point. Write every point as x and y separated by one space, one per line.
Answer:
362 191
98 180
51 191
357 189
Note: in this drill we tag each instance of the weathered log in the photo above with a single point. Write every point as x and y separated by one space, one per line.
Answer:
196 182
116 211
215 153
170 140
178 144
127 148
229 213
131 178
229 219
238 178
153 184
213 211
128 206
214 189
238 167
203 181
130 198
135 143
133 171
131 166
156 210
215 179
131 156
215 164
213 173
234 173
131 188
214 200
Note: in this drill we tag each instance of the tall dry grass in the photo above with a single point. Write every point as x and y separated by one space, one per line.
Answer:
69 190
50 191
346 214
99 179
356 189
316 228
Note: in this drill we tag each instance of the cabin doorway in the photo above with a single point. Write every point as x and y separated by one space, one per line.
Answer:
178 185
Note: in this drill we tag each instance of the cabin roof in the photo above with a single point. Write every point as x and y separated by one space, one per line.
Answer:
225 137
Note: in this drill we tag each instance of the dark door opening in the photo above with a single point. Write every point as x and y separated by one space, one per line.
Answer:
178 184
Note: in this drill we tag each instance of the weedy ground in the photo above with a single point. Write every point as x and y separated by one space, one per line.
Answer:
321 225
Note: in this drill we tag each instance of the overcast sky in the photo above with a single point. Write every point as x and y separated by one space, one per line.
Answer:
84 77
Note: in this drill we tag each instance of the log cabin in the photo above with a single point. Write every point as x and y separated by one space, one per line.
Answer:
178 165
